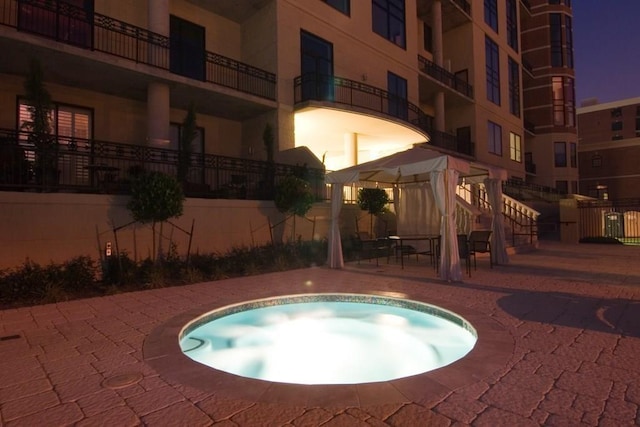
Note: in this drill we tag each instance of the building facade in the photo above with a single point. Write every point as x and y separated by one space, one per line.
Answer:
609 152
549 97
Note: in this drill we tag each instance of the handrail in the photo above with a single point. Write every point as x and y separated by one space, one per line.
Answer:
82 27
90 166
340 90
444 76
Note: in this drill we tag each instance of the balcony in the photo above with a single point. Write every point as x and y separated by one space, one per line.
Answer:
529 127
95 32
92 166
445 77
360 96
530 168
454 13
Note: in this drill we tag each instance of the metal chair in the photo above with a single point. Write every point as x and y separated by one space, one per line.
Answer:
480 242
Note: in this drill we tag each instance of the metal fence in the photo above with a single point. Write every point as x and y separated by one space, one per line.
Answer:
609 220
85 165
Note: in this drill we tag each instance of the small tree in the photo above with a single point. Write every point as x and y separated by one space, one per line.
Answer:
155 197
40 106
185 148
293 196
374 201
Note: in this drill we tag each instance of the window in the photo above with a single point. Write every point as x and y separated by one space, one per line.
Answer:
617 125
554 1
573 154
69 21
558 101
512 24
515 147
491 14
493 71
616 112
389 21
514 88
427 37
555 24
560 154
596 161
72 127
637 125
195 172
570 101
494 138
562 187
187 53
343 6
568 35
397 88
316 67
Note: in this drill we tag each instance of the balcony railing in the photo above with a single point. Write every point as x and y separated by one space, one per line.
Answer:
65 23
338 90
529 126
464 5
446 77
92 166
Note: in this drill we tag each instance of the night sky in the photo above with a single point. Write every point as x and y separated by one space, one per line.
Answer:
606 49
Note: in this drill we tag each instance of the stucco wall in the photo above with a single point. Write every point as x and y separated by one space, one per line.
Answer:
54 227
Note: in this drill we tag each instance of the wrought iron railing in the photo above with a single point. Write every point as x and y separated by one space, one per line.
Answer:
446 77
82 165
527 191
338 90
65 23
464 5
609 220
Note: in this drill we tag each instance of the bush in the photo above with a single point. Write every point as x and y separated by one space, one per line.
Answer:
32 283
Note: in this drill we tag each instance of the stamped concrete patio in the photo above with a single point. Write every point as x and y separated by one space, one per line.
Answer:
559 339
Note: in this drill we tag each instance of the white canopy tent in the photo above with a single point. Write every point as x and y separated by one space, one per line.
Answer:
408 169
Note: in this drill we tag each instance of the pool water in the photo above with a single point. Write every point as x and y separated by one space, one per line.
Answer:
356 340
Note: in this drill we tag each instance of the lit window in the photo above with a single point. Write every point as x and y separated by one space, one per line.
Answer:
558 101
515 147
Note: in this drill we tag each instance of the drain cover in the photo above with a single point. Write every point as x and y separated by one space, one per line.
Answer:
122 380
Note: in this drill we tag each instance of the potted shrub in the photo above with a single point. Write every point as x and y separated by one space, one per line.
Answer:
40 106
374 201
293 196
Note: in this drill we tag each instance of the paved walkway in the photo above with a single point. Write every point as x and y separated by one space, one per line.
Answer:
570 313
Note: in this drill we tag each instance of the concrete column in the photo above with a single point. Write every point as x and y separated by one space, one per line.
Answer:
350 149
438 58
436 32
158 106
158 16
158 95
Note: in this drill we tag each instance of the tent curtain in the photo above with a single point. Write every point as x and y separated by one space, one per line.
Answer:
418 213
334 255
498 246
444 184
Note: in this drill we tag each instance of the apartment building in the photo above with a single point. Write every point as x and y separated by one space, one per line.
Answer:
551 139
609 151
341 82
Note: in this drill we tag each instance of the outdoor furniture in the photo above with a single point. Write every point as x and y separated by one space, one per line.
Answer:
464 252
479 242
366 247
404 249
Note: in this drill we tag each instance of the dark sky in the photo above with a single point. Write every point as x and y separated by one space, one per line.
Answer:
606 49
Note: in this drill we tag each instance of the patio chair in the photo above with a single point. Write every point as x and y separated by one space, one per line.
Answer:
464 252
479 242
366 247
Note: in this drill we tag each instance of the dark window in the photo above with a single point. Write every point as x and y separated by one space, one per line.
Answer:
493 70
491 14
554 1
574 187
568 34
494 138
316 63
637 124
573 154
69 21
514 88
389 20
512 24
555 22
427 36
596 161
187 53
560 154
343 6
616 112
617 125
562 187
397 88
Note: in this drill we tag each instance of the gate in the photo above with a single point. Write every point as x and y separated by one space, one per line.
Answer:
609 219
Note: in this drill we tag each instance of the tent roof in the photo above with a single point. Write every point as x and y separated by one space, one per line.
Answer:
413 165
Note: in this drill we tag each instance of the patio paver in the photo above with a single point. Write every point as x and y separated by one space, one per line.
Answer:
559 339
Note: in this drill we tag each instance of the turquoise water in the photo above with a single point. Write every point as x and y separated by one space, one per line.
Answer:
328 342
